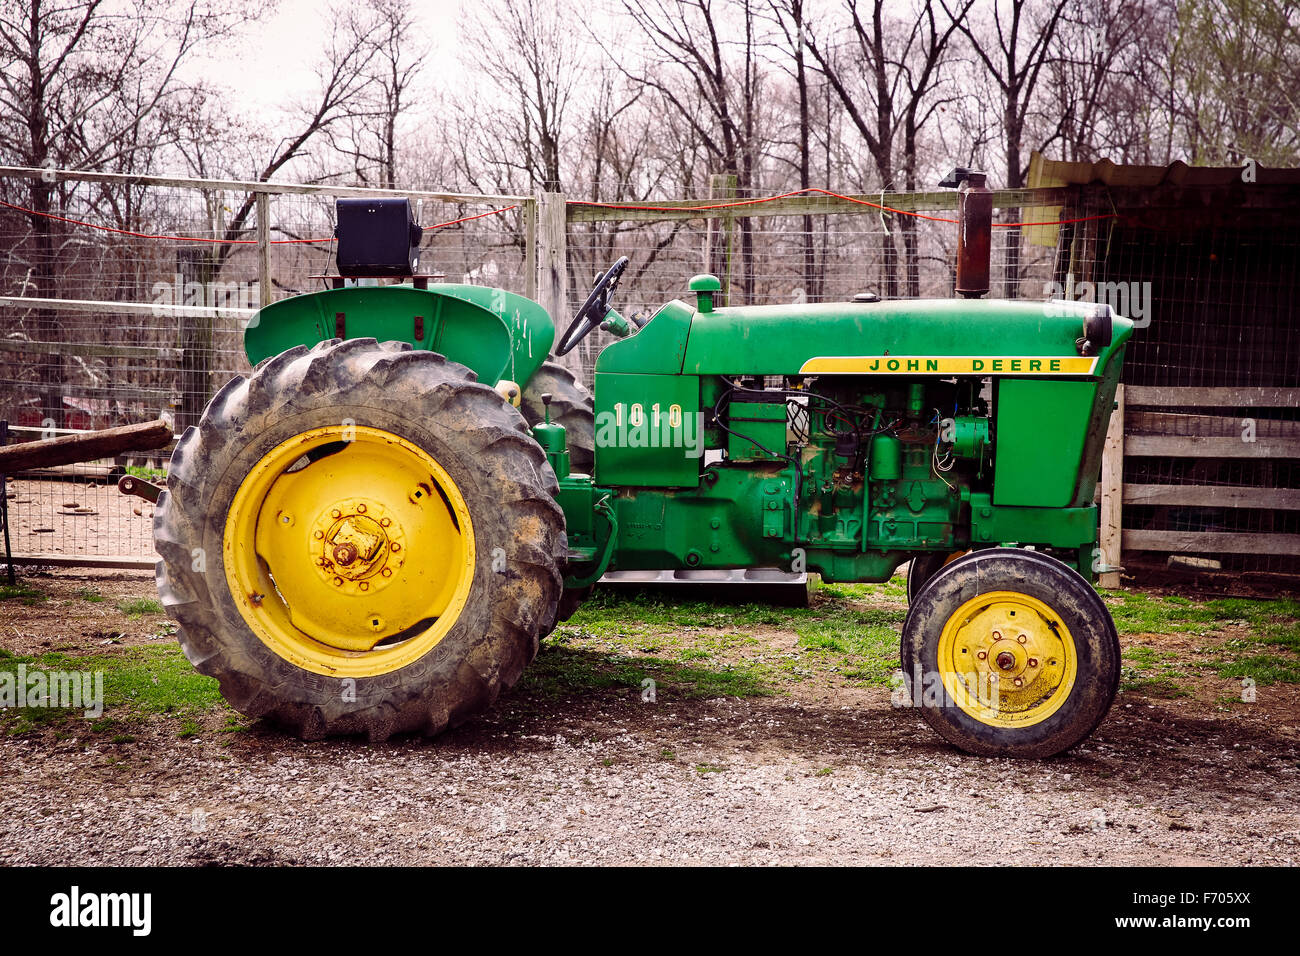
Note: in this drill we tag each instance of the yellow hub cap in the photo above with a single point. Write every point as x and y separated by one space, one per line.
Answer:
1007 659
355 563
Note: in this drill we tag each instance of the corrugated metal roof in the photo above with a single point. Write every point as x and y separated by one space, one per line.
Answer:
1052 172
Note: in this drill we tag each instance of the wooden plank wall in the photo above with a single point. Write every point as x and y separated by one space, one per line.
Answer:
1171 422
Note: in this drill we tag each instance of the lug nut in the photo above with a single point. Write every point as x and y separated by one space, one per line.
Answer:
1020 682
336 513
365 585
385 522
395 546
1006 660
1022 639
338 582
387 572
361 509
982 655
318 535
1033 662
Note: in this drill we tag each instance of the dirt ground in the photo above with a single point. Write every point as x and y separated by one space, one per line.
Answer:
823 773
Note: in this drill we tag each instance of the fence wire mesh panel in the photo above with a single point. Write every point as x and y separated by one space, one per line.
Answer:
151 249
1213 375
1213 297
765 259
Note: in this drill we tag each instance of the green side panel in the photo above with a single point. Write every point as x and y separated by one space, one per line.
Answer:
1038 440
1085 490
496 333
659 347
649 430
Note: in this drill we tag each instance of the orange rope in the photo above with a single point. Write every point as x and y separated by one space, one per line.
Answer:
235 242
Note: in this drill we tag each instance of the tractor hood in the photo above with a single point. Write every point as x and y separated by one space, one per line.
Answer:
940 337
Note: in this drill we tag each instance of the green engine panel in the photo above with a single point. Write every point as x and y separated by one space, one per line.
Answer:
649 430
1041 427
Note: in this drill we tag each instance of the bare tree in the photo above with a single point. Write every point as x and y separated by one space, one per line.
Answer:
899 64
88 84
713 84
399 55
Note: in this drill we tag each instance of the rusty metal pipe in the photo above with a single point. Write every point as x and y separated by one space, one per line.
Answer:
974 235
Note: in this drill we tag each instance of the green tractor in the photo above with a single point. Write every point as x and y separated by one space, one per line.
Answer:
371 533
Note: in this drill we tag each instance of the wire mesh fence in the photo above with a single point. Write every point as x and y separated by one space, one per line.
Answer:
158 252
1214 306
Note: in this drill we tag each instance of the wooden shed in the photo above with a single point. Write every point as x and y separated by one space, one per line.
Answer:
1205 469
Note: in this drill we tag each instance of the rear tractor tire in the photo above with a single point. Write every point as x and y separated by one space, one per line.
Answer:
360 539
571 406
1010 653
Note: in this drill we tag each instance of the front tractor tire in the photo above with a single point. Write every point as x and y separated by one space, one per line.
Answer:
1010 653
360 539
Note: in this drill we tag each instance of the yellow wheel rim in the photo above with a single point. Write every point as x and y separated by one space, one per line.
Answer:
356 563
1007 659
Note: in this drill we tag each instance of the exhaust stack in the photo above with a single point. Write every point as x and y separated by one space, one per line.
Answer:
974 230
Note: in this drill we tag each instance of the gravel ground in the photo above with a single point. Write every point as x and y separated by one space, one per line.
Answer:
712 782
819 774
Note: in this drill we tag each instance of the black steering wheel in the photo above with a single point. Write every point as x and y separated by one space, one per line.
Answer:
593 311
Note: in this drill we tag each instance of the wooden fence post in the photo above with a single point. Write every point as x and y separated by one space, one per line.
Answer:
720 234
1112 492
263 250
553 270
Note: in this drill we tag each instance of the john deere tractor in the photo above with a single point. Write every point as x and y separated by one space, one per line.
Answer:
371 532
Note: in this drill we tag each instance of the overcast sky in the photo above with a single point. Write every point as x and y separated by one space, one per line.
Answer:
274 64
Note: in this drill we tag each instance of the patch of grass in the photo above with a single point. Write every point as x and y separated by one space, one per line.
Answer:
189 728
148 474
23 593
1264 669
846 631
137 682
1162 687
1270 622
122 739
138 607
91 595
1147 658
561 671
703 768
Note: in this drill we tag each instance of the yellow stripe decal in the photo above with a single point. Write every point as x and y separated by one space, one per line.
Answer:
948 365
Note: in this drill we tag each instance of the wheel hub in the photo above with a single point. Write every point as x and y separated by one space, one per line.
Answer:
324 579
1007 659
358 545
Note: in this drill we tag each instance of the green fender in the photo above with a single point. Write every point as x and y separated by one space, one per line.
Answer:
497 334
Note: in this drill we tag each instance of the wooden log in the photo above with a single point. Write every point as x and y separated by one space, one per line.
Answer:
86 446
1239 398
1195 446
